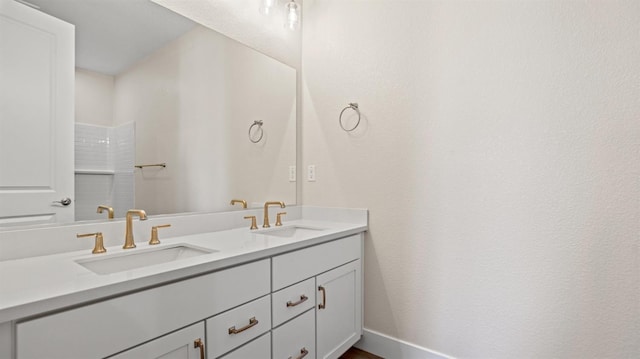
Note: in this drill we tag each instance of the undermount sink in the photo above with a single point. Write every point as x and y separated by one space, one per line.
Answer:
141 258
291 231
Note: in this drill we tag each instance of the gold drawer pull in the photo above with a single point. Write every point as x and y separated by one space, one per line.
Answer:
252 322
199 344
324 298
303 353
303 298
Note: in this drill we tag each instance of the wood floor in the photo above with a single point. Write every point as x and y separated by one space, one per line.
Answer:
355 353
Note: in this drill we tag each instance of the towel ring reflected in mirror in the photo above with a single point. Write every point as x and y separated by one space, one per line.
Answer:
353 106
259 132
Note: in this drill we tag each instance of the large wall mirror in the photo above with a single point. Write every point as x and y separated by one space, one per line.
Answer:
174 117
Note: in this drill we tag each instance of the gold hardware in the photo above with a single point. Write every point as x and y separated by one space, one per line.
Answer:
99 245
303 298
241 201
154 233
128 236
324 298
265 224
252 322
163 165
253 221
107 208
279 218
303 353
199 344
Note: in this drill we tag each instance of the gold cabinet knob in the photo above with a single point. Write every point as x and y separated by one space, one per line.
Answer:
154 233
279 218
99 243
254 225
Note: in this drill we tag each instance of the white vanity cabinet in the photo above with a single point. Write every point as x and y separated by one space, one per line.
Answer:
305 303
187 343
336 269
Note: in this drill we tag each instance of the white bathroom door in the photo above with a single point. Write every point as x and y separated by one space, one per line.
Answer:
37 63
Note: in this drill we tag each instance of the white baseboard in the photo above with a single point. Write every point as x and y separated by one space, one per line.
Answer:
392 348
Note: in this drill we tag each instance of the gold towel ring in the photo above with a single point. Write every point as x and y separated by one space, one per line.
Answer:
259 124
353 106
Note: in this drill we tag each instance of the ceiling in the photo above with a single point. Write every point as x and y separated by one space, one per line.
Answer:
112 35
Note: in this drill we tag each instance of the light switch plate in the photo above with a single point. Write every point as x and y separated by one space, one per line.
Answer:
311 173
292 173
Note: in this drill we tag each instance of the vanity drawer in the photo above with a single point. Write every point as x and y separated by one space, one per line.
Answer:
126 321
295 338
181 343
257 349
297 266
291 301
237 326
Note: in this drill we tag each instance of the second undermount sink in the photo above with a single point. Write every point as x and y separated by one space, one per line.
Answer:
141 258
292 231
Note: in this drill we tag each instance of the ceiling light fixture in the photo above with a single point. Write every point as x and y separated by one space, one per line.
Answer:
267 6
292 15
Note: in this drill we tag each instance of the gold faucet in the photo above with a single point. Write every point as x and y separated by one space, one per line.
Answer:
241 201
266 212
107 208
128 237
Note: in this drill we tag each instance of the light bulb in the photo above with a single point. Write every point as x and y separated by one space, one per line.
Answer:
267 6
292 13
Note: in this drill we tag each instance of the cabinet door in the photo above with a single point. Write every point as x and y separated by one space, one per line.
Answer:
338 310
187 343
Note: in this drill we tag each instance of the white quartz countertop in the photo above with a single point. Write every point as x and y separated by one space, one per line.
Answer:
37 285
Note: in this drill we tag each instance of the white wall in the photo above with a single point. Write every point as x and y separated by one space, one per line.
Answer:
94 97
499 159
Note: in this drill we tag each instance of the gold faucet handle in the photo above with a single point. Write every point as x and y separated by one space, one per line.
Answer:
99 244
154 233
279 218
254 225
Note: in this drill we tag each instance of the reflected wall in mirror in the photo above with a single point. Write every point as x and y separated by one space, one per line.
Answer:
187 100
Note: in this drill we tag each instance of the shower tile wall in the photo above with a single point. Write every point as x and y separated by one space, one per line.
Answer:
92 147
123 152
104 160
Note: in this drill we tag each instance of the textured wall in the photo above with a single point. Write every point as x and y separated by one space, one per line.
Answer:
499 157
